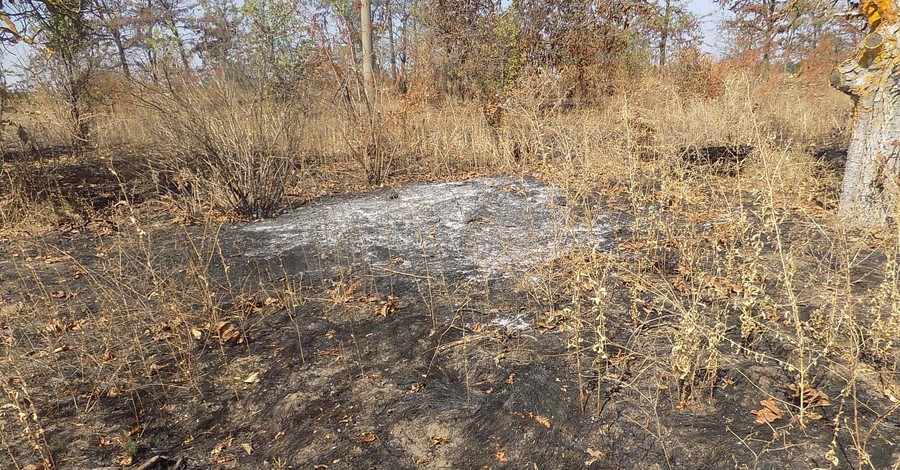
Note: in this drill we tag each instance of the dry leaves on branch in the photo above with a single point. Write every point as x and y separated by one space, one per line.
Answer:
769 412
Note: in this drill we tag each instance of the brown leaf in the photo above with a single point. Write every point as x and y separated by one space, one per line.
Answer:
769 412
125 460
228 333
542 420
811 396
594 453
218 448
366 437
387 307
351 289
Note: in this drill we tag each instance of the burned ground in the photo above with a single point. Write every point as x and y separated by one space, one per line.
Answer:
489 323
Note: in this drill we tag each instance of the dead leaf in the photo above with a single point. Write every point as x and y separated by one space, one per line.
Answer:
594 453
366 437
247 448
811 396
351 289
252 378
228 333
542 420
769 412
197 334
125 460
387 307
221 446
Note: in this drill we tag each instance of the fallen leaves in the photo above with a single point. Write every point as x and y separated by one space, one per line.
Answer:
55 326
811 396
387 307
542 420
366 437
595 456
125 460
217 454
228 333
769 412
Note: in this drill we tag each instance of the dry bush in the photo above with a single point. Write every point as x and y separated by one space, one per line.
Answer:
230 148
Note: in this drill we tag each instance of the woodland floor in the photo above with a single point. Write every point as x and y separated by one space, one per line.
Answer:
411 337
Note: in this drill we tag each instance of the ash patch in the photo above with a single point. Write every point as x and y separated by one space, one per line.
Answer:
469 230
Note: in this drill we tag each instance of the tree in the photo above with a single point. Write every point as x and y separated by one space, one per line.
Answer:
757 23
368 52
71 67
870 191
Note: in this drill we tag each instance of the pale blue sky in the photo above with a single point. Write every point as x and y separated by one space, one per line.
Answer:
710 17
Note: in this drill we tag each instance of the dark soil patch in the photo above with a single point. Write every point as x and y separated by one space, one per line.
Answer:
387 330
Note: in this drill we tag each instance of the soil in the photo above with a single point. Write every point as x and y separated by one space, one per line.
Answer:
398 328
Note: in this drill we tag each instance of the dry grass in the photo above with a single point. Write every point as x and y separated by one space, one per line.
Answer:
718 260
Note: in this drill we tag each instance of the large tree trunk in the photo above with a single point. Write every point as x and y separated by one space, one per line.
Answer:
871 186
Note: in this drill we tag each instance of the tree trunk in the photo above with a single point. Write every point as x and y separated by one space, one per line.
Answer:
389 14
120 48
870 191
664 34
368 55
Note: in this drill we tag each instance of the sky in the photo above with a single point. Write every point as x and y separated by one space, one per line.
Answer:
710 18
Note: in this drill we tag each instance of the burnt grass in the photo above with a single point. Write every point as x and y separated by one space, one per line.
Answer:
124 339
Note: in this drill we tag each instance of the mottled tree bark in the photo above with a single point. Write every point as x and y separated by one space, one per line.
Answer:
871 186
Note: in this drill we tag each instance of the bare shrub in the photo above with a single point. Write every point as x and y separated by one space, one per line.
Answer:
234 149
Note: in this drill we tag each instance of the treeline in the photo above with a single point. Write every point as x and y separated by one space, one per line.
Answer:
462 47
